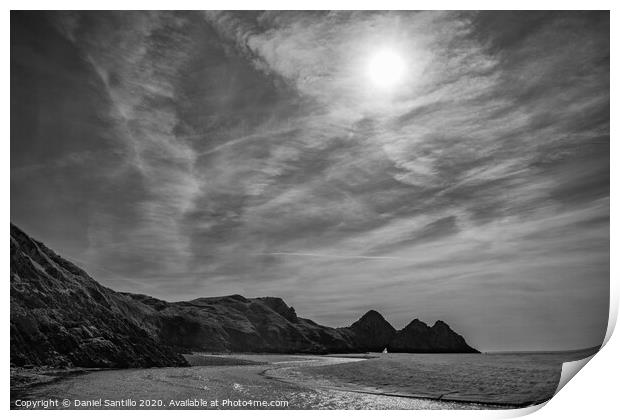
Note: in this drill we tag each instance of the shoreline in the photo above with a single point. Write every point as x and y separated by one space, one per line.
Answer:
55 376
25 380
325 381
346 388
242 381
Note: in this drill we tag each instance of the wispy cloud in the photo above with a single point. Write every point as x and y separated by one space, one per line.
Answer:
337 257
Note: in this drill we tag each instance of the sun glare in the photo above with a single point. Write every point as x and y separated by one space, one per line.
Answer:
386 69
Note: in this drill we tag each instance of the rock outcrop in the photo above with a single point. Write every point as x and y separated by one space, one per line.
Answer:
372 332
417 337
60 317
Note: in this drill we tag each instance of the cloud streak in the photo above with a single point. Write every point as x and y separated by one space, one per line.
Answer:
341 257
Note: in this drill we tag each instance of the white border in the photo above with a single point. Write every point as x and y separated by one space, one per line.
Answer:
591 395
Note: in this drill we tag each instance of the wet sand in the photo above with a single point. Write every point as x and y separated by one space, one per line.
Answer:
258 379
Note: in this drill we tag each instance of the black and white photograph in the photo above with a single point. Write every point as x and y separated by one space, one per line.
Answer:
306 209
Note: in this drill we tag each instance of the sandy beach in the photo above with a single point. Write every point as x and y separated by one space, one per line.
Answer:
230 380
280 381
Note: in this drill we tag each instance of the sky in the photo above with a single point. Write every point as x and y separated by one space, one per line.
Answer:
431 165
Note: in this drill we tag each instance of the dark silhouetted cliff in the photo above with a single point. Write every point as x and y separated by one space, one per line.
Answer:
60 316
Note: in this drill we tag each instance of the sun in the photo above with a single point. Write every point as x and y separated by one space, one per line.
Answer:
386 69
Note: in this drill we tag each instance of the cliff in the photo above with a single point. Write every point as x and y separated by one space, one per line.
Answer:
60 317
